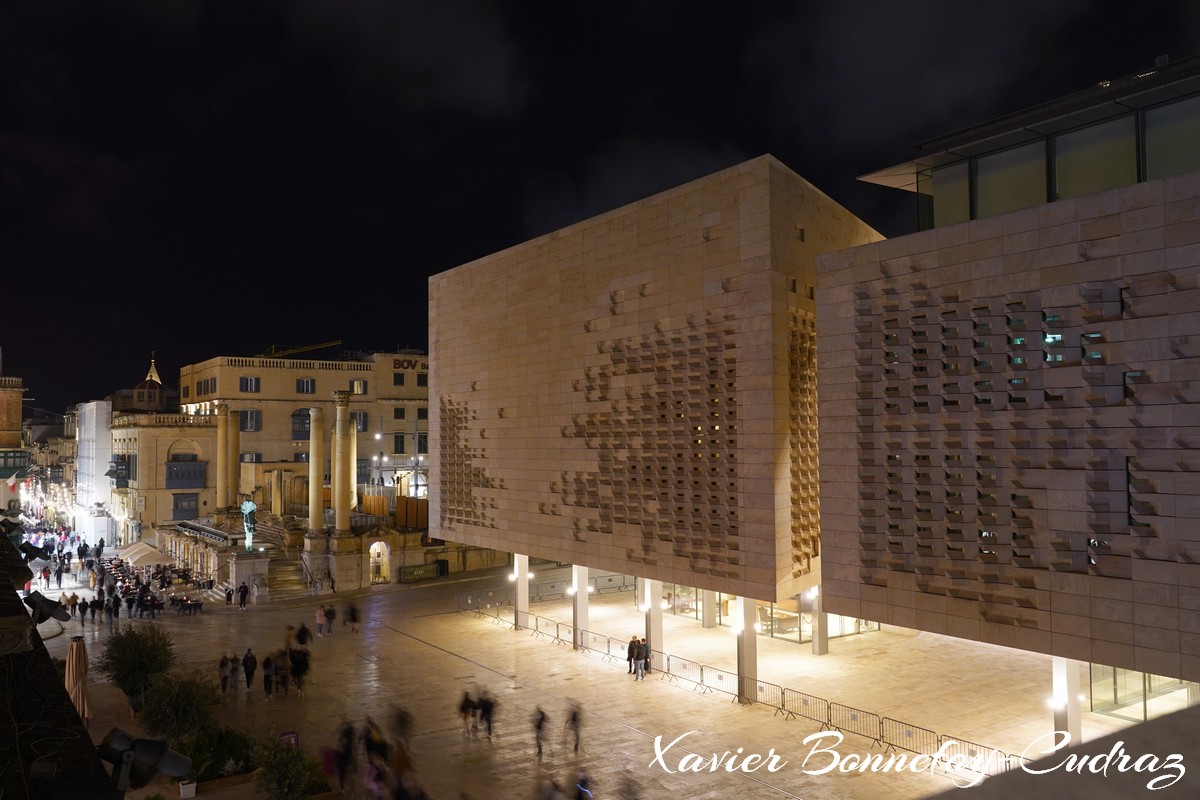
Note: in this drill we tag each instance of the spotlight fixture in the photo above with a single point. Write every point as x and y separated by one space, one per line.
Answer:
31 553
136 761
44 608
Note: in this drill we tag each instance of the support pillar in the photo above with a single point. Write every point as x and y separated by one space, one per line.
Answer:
747 650
341 453
708 608
352 431
521 591
1065 697
650 602
579 605
316 469
820 624
222 456
233 461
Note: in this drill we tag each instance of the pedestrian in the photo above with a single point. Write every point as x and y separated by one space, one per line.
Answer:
228 595
303 635
108 613
649 653
372 738
58 576
582 783
329 615
633 643
268 676
352 616
486 708
249 665
639 661
466 710
73 602
344 752
223 671
243 593
235 666
574 723
539 725
320 621
283 672
95 606
299 659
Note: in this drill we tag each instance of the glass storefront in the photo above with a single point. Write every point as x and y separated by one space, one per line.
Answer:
1138 696
790 620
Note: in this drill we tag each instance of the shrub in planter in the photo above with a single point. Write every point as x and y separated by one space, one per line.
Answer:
218 752
133 656
180 707
286 772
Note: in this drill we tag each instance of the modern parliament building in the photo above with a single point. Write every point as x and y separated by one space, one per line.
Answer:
988 429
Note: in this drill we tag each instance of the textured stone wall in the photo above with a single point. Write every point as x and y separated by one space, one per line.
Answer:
635 392
1010 424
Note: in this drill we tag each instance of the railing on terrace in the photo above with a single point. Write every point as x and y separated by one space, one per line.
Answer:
287 363
958 755
163 421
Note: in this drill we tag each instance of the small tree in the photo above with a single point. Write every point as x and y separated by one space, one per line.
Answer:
133 656
286 772
180 707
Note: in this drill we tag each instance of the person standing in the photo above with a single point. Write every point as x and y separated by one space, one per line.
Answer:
249 665
352 616
268 676
243 593
539 725
108 613
633 643
320 621
329 615
639 661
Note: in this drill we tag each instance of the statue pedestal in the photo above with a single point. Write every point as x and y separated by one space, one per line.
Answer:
251 569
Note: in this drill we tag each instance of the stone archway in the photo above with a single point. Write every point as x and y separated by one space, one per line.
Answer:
379 563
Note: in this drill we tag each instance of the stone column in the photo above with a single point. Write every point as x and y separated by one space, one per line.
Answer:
234 460
341 454
521 591
820 624
708 608
352 430
579 605
747 650
1065 697
316 469
222 456
650 601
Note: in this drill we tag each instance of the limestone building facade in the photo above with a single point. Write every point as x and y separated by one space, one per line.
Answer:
637 393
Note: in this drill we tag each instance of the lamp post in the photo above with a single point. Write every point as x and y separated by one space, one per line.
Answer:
380 460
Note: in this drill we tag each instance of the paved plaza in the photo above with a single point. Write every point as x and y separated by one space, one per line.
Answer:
415 650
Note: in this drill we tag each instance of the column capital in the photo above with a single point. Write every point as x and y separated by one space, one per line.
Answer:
341 398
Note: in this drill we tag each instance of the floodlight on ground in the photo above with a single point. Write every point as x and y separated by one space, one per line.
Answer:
136 761
31 553
44 608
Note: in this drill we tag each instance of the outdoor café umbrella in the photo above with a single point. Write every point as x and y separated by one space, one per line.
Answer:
129 550
77 670
149 558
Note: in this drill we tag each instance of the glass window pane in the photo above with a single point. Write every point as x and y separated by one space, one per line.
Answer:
1171 136
951 195
1010 180
1096 159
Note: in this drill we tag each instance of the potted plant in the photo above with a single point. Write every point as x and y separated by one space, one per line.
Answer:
285 772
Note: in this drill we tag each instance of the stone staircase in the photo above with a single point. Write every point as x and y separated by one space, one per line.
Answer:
286 580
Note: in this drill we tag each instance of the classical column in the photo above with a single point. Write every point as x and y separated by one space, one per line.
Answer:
352 431
316 469
747 650
233 460
521 591
222 457
579 604
341 454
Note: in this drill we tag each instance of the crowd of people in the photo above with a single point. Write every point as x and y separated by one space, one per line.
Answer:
380 759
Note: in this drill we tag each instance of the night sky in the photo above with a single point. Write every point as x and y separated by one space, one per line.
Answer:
204 179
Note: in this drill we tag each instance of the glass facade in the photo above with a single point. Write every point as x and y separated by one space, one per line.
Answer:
1138 696
1096 158
1172 132
1010 180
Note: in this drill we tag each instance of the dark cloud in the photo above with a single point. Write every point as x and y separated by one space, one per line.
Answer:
186 174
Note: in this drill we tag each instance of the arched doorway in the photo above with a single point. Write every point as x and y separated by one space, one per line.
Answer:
380 561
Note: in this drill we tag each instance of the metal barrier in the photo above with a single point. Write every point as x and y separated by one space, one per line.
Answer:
599 643
768 694
959 755
855 720
484 598
603 584
679 667
417 572
909 737
809 706
713 679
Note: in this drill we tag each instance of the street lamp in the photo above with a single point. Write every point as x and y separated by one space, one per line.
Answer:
380 460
